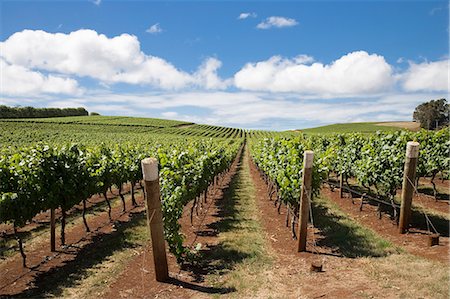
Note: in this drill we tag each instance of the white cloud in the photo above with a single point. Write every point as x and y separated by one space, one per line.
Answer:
16 80
154 29
353 74
277 22
246 15
111 60
169 114
426 76
206 76
97 2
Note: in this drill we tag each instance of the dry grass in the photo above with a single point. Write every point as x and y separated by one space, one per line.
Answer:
410 125
407 276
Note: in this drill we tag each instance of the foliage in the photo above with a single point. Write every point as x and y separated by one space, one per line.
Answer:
31 112
433 114
282 160
41 177
375 161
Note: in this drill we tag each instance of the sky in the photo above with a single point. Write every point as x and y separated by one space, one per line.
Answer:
254 64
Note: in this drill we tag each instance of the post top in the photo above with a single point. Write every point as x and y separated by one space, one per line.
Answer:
412 149
150 169
308 157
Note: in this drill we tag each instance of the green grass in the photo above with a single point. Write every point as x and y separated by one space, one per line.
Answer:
366 127
108 120
345 235
241 256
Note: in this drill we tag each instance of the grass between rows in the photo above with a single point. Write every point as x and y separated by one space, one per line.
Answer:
348 237
402 275
245 251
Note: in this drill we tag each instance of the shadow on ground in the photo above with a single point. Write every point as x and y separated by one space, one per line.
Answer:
218 259
99 249
439 196
418 219
345 237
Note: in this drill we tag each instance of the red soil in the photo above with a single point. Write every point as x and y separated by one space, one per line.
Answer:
17 280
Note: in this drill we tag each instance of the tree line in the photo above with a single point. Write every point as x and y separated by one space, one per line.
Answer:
31 112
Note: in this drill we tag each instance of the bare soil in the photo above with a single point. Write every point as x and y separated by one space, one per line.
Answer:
18 281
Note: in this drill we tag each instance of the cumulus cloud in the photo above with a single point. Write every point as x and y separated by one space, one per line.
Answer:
207 76
154 29
246 15
277 22
38 62
354 73
426 76
110 60
17 80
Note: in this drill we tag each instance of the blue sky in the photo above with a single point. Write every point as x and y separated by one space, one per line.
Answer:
269 65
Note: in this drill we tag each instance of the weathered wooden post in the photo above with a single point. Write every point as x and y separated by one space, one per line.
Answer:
52 231
412 154
154 217
341 184
308 158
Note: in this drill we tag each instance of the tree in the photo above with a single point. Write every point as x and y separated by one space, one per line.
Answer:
433 114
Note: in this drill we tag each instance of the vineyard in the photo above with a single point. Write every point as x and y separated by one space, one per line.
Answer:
375 164
73 171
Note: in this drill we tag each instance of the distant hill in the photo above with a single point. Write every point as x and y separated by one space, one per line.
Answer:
363 127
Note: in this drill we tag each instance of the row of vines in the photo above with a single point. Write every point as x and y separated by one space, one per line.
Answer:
42 177
374 161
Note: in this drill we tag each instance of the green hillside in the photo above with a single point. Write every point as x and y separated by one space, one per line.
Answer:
365 127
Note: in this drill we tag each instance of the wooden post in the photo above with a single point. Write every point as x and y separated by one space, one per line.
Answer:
52 231
154 217
412 154
341 184
308 158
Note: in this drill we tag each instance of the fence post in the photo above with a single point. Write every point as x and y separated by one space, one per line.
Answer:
52 231
308 158
341 184
412 154
154 217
